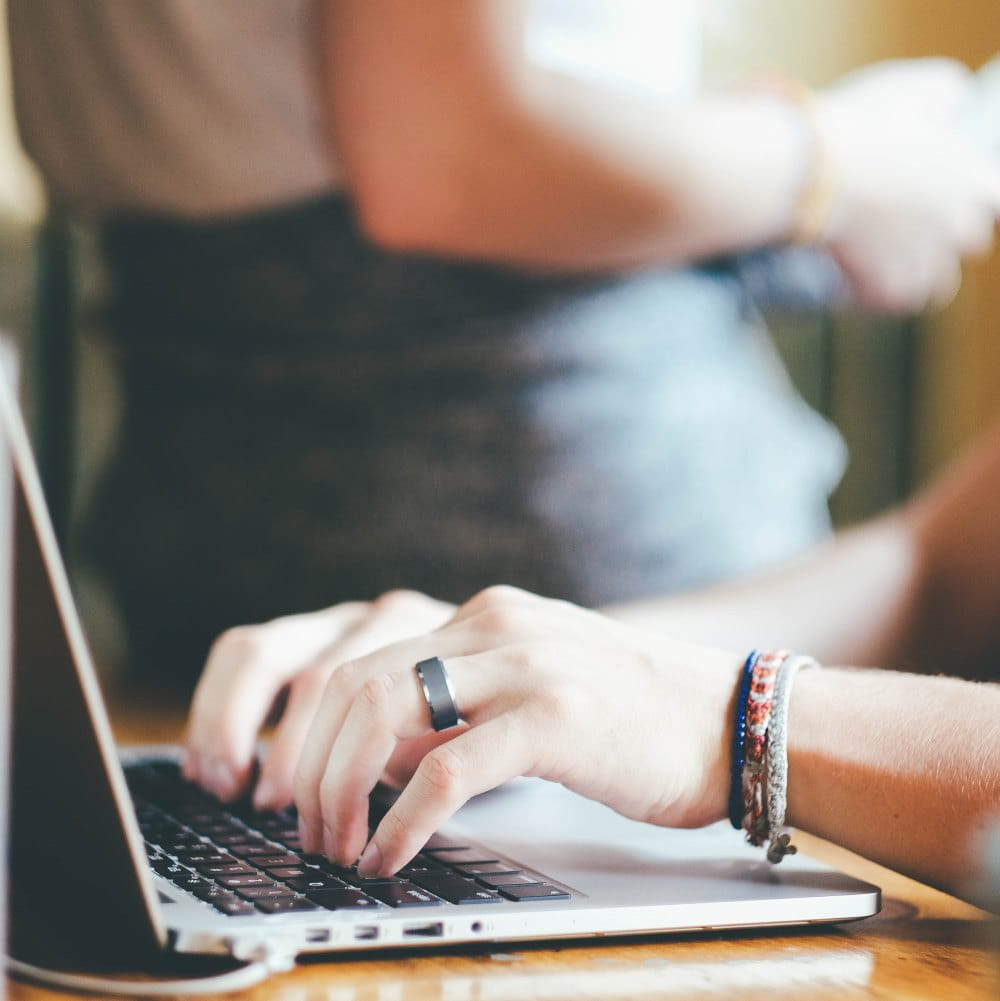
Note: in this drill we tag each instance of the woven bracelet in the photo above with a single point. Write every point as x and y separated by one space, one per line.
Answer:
779 841
739 742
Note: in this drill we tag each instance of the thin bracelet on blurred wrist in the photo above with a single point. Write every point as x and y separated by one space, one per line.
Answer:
817 191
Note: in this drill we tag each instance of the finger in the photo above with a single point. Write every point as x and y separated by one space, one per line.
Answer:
341 691
473 762
275 786
246 669
387 707
386 619
390 708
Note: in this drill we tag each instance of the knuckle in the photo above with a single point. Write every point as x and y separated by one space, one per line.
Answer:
393 829
375 693
443 771
398 600
344 678
238 642
493 596
561 702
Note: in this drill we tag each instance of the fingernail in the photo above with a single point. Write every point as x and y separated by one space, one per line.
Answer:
370 861
222 781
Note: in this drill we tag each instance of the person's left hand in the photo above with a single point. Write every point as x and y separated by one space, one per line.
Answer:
634 720
248 669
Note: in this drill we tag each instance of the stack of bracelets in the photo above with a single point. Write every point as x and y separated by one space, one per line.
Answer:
758 785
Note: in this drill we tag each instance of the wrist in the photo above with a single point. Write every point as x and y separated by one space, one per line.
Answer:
815 198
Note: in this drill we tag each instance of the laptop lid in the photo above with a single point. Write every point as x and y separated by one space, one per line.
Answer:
76 859
6 615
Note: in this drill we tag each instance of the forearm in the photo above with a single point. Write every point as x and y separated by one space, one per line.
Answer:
451 142
902 769
580 179
850 601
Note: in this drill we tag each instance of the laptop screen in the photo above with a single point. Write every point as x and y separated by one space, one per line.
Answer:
75 853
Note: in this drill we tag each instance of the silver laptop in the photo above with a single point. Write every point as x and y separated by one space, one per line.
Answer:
118 850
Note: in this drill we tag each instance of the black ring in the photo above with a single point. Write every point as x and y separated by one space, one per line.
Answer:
437 691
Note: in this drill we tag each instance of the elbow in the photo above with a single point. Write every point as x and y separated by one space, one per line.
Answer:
406 212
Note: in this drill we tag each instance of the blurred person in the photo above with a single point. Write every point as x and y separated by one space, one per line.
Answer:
639 707
430 295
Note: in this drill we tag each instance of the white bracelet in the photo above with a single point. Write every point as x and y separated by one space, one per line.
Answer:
779 843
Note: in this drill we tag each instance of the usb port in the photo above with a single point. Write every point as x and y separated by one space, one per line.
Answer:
433 930
365 933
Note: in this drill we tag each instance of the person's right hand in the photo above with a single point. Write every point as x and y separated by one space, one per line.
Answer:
250 666
915 194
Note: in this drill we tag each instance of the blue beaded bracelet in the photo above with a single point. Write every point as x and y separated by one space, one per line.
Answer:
739 742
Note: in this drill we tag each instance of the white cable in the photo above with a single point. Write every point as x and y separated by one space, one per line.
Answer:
259 969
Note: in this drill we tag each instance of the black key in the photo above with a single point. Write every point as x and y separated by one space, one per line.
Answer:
364 881
190 882
347 873
501 879
169 869
216 869
276 861
288 872
315 881
456 890
421 865
230 839
208 858
345 899
402 894
211 891
536 891
224 827
232 905
461 856
252 849
283 905
262 892
485 868
235 881
199 818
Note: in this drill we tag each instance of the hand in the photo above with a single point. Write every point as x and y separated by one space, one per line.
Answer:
916 194
250 666
545 688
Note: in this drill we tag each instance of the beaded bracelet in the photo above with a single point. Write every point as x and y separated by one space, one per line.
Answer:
739 742
759 707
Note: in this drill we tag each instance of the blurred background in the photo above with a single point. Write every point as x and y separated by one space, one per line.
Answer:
905 393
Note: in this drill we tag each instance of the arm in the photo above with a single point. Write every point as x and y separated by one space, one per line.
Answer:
451 143
919 587
900 768
903 769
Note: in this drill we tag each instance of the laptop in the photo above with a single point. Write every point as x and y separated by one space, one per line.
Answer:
115 846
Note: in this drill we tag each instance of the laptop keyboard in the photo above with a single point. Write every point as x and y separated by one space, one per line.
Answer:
241 862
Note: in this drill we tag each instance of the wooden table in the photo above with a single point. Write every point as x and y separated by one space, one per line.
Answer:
923 946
